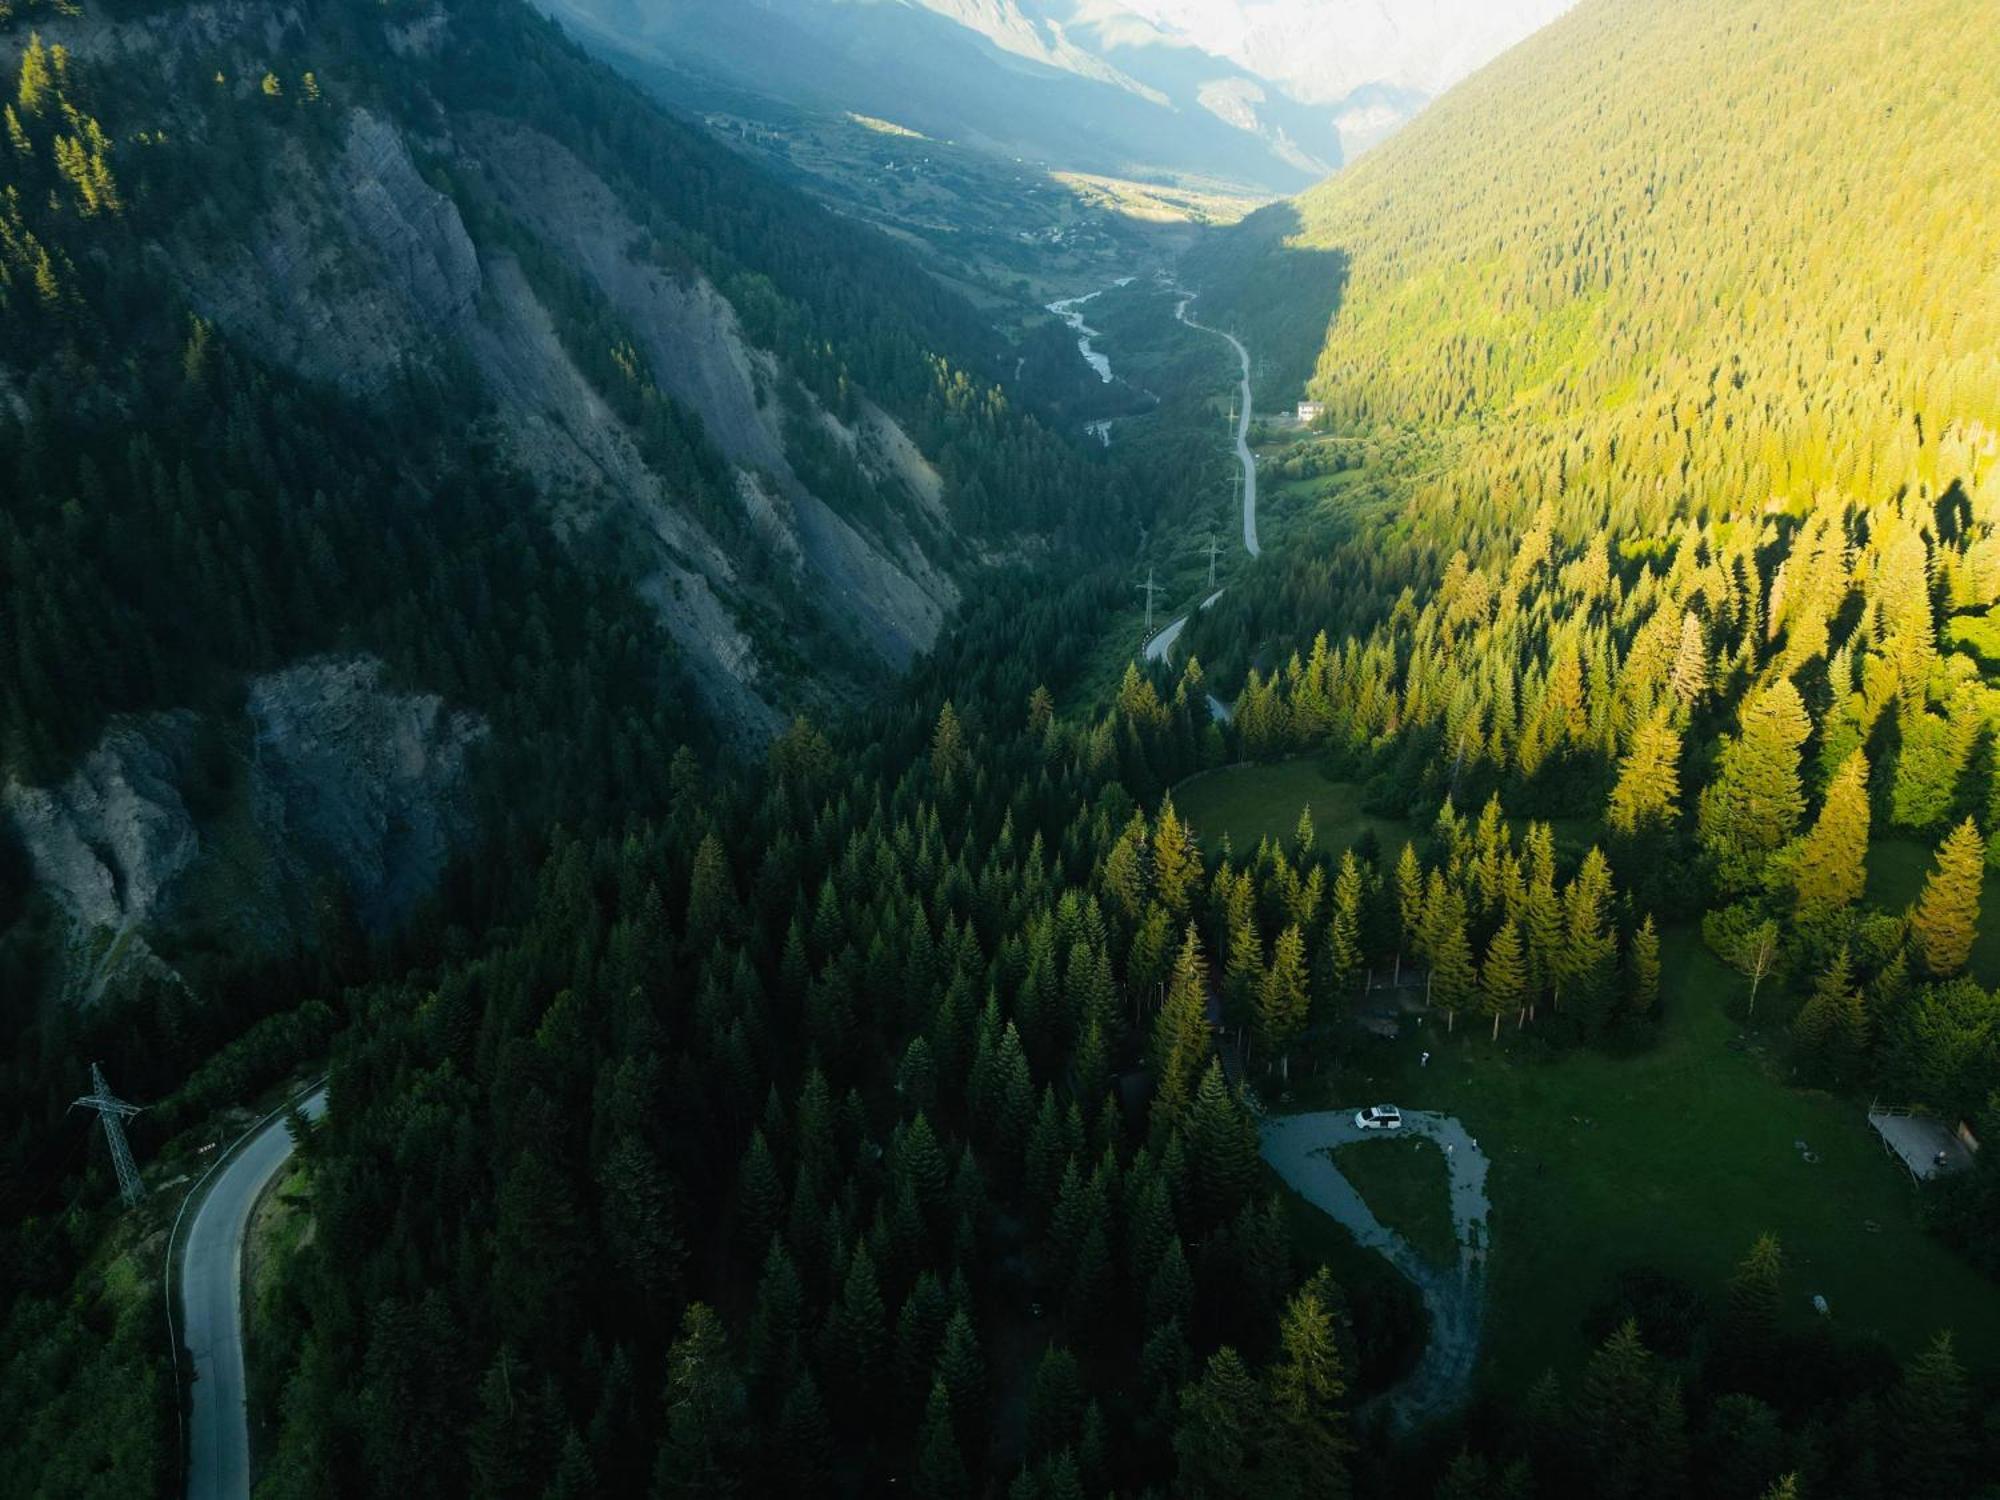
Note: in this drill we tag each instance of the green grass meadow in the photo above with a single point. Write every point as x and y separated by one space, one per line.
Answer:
1674 1158
1404 1181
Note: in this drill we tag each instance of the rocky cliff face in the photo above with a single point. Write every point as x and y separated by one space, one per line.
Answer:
342 776
357 266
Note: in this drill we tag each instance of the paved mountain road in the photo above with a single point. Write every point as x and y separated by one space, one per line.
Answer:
1157 648
212 1302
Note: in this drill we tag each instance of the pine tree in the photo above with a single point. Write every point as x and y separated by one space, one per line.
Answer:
1830 871
1931 1447
940 1467
1648 785
710 895
1344 938
1643 992
1454 981
1309 1442
1282 1000
1747 1340
1055 1403
1409 896
1755 802
1630 1422
1221 1149
1688 677
1243 975
1503 978
961 1368
1181 1042
1176 863
704 1427
1584 961
34 84
1219 1437
950 759
857 1333
1945 920
1833 1023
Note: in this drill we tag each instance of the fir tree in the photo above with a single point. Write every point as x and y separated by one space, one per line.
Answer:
1219 1437
1755 801
1945 920
1282 999
940 1466
1830 871
1932 1447
1643 986
1503 978
1309 1442
1648 785
1181 1042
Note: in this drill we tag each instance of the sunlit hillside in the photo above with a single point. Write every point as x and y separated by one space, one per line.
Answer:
1685 259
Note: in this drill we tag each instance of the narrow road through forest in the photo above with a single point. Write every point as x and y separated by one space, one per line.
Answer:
1157 648
1299 1148
212 1302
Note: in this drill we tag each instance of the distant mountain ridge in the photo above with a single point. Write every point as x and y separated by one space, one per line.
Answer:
1079 84
1262 93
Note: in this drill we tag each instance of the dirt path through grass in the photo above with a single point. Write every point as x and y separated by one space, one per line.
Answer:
1299 1148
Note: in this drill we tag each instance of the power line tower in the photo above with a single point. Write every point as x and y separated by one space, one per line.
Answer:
114 1112
1214 547
1151 588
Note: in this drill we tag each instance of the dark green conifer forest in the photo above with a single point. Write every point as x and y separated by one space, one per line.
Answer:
874 1107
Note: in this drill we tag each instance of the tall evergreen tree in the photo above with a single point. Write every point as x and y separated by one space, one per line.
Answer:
1945 920
1755 801
1648 785
1830 870
1283 1002
1309 1441
1503 978
1181 1041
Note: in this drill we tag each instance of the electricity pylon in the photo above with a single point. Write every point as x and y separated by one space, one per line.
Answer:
1151 589
1213 548
114 1112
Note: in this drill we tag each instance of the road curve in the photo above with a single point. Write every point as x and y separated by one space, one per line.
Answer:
1156 649
1243 454
1298 1147
212 1303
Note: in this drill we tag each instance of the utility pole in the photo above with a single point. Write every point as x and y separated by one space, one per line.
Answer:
114 1112
1151 588
1213 549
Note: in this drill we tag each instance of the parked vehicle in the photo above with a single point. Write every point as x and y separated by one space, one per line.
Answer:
1379 1117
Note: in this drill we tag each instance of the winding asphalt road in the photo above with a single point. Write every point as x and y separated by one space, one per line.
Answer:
1157 648
1243 455
212 1301
1298 1147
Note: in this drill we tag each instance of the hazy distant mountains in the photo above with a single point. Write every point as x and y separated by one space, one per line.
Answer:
1265 93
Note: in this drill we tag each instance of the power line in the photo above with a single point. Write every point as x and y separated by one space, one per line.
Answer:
114 1112
1151 588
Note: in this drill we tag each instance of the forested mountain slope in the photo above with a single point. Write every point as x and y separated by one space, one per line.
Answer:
1712 257
305 309
1697 360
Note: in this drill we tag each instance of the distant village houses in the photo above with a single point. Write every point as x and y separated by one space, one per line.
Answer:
1311 411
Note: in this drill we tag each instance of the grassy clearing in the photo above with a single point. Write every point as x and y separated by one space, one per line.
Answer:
1249 803
1404 1182
1897 868
1676 1158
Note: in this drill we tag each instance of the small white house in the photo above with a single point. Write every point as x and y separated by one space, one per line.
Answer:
1311 411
